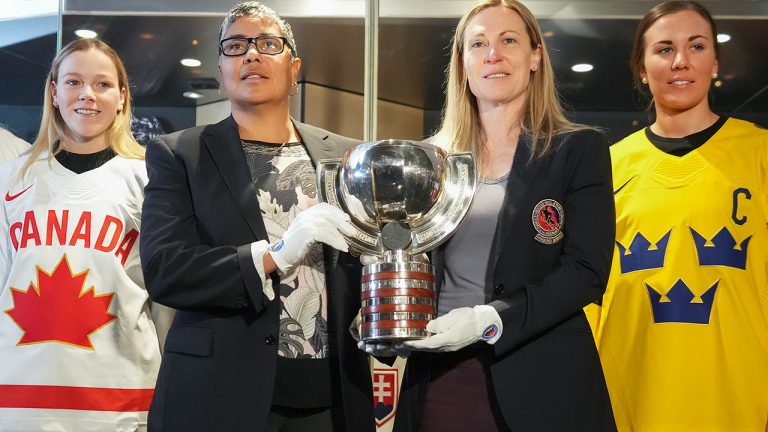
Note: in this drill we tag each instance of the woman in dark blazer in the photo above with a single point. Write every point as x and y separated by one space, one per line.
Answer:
233 239
512 348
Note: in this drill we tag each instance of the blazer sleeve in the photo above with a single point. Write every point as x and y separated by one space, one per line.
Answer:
580 274
180 270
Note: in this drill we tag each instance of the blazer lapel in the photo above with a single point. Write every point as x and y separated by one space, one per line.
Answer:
319 146
520 180
223 143
316 142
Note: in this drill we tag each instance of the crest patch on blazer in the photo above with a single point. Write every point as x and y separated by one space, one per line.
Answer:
548 218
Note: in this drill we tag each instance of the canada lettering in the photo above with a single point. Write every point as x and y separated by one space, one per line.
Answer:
62 228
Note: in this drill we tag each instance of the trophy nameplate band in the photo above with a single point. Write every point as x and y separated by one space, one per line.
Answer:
398 316
402 266
397 283
399 300
390 275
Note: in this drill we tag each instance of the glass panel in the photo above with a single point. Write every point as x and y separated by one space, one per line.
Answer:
153 37
27 46
414 49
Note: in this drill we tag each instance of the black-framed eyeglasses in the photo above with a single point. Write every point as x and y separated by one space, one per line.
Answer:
237 46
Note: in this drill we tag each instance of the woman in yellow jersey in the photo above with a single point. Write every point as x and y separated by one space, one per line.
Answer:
683 330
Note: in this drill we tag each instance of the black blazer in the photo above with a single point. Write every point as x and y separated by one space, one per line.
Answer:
546 372
200 216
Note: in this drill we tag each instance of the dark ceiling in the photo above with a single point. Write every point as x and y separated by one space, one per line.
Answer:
413 53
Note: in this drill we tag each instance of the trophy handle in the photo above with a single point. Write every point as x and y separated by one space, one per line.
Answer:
365 240
458 189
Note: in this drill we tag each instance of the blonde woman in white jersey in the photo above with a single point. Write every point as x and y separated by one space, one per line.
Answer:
80 341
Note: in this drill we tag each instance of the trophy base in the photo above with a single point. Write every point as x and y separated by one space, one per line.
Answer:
395 334
398 299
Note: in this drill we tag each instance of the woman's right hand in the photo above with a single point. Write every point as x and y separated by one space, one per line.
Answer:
319 223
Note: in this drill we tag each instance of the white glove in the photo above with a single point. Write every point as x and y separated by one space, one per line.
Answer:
319 223
354 328
370 259
459 328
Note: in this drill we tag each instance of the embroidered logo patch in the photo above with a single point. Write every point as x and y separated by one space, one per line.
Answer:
490 332
548 218
276 246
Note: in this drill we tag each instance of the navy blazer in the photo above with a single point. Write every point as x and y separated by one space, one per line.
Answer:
546 372
199 218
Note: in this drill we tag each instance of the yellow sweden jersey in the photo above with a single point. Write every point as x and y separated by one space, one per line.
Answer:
683 329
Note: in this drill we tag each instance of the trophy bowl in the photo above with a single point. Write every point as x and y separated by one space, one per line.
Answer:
404 198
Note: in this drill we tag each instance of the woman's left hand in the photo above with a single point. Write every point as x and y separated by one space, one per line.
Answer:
459 328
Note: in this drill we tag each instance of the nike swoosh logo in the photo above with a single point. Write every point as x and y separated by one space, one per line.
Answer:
9 197
625 183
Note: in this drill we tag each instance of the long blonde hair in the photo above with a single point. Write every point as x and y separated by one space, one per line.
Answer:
53 127
543 116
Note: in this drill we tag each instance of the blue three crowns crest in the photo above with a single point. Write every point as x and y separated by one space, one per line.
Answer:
680 308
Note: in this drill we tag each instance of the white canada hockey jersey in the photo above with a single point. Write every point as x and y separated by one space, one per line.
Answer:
79 348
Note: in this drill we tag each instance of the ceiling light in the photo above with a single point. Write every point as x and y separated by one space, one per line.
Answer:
548 34
192 95
582 67
723 37
190 62
86 34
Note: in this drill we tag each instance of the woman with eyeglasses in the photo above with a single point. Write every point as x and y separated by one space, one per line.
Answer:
234 239
683 330
80 340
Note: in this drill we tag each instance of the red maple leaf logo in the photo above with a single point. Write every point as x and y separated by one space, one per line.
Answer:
57 310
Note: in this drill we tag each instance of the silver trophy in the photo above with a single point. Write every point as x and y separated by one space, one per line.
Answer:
404 198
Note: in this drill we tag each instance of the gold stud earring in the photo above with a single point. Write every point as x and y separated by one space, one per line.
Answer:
645 80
